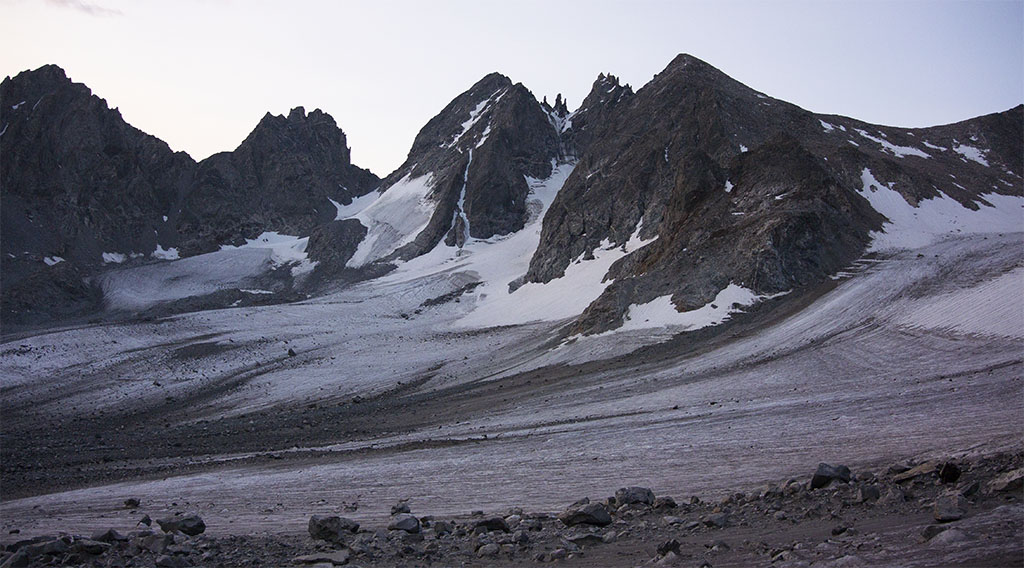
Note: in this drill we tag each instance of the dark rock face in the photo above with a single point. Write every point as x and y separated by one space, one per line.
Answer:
285 172
477 150
742 188
78 181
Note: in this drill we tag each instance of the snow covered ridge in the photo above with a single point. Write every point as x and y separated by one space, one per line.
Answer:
394 218
910 227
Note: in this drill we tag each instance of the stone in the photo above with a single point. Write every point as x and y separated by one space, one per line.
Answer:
334 558
949 472
443 527
718 520
584 537
492 524
780 515
949 537
109 536
131 503
52 547
404 522
154 543
671 520
520 537
867 493
931 531
927 468
400 507
331 528
949 508
668 546
90 546
490 549
826 474
665 502
1009 481
590 514
189 524
634 495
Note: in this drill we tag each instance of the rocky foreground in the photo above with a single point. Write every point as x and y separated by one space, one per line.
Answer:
936 513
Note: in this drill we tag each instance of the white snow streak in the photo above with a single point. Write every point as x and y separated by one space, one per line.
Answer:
898 151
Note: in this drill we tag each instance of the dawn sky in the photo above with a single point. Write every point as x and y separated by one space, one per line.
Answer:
200 74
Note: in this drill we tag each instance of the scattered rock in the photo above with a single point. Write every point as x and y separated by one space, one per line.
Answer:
663 503
145 520
404 522
634 495
949 537
492 524
867 493
927 468
331 528
189 524
931 531
400 507
589 514
826 473
443 527
671 520
718 520
949 472
1009 481
490 549
949 508
668 546
131 503
839 529
584 537
291 352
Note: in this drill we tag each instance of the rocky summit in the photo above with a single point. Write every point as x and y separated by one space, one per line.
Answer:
683 324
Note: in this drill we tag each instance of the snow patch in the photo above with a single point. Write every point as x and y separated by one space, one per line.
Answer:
113 258
743 148
168 254
898 151
728 186
910 227
828 127
51 260
660 312
971 153
354 208
394 219
933 146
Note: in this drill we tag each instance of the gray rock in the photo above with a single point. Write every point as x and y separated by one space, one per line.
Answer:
718 520
826 474
671 520
1009 481
668 546
190 524
949 508
665 502
331 528
867 493
400 507
949 537
154 543
109 536
591 514
490 549
931 531
634 495
492 524
131 503
404 522
90 546
20 559
584 537
49 548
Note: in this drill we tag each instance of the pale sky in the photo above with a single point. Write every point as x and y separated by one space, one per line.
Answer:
200 74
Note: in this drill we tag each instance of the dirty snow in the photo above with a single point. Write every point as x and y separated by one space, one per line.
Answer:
971 153
165 254
661 312
992 307
936 218
898 151
394 218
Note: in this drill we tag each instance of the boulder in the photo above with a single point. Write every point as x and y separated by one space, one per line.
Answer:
404 522
949 508
490 549
634 495
1009 481
90 546
663 503
331 528
492 524
826 474
189 524
590 514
